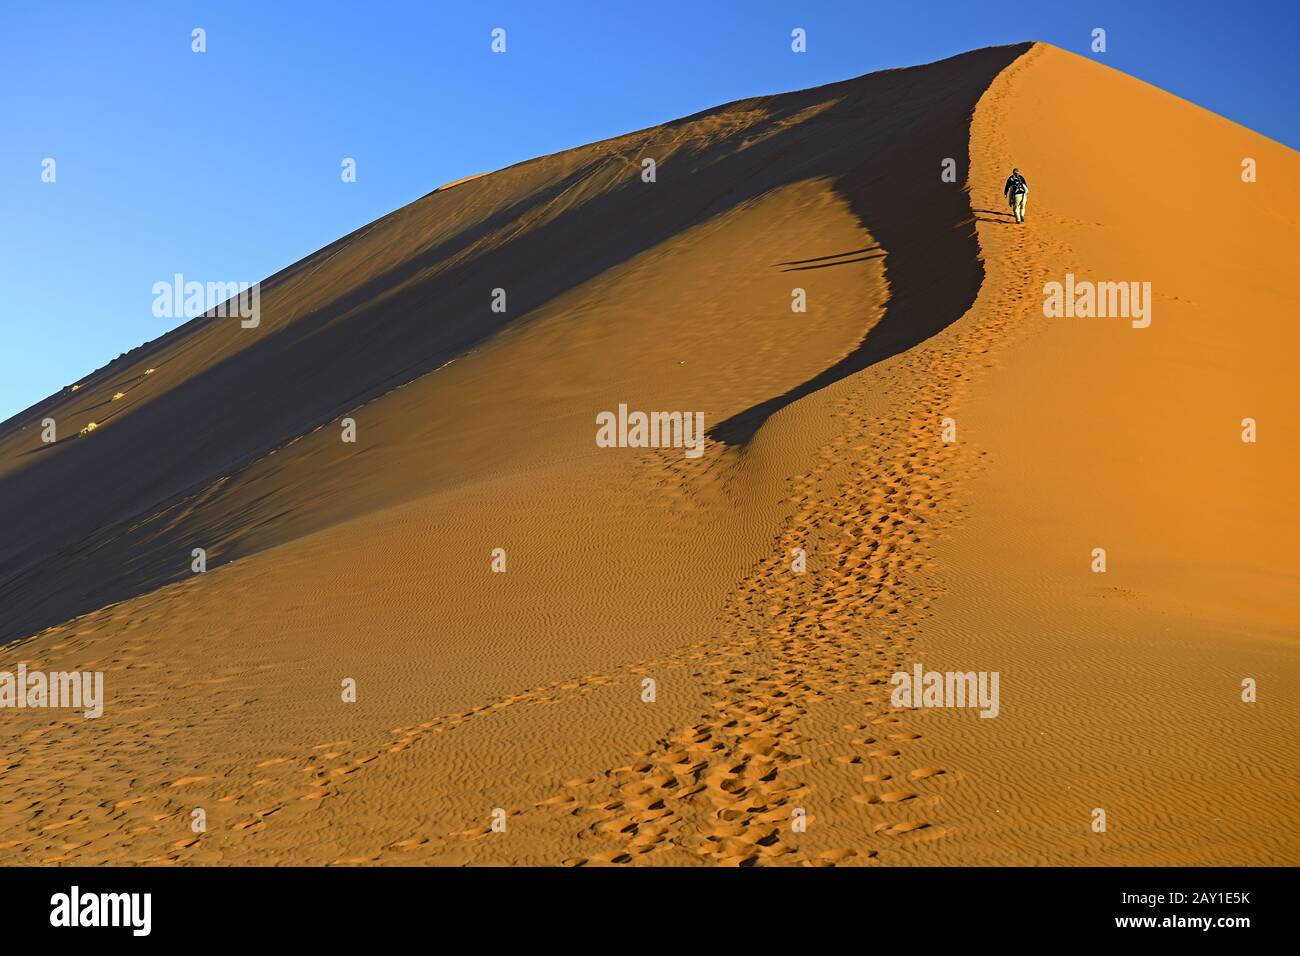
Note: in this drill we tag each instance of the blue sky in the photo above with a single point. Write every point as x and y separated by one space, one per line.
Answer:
225 165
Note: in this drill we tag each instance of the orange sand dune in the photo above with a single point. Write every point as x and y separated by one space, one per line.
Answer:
650 681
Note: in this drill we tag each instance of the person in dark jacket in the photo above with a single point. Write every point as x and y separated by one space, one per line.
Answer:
1017 192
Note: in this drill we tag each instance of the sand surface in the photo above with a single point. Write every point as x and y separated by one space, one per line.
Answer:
771 737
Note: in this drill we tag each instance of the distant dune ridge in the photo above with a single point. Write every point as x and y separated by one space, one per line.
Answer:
567 653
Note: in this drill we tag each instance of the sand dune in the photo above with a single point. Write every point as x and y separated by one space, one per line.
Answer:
771 737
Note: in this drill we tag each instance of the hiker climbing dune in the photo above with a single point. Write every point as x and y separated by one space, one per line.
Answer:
1017 192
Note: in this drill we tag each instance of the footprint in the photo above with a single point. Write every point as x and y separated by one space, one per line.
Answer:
411 843
895 796
187 780
907 826
842 853
556 800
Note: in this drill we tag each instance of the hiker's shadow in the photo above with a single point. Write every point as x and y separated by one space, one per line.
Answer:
999 217
824 262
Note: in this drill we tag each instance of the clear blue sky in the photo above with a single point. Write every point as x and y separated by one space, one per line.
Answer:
226 165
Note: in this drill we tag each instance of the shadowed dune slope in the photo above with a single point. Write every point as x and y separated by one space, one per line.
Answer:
173 461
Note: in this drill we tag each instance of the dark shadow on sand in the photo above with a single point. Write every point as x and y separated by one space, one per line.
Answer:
116 514
836 255
831 265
